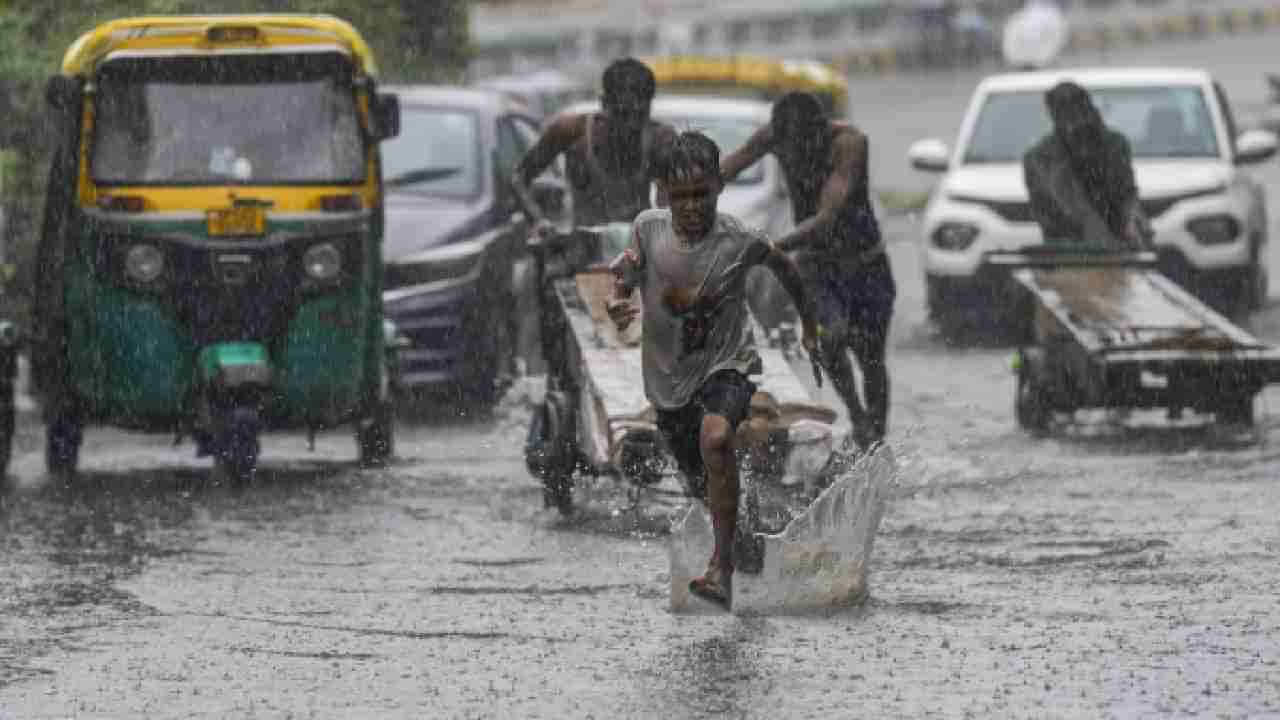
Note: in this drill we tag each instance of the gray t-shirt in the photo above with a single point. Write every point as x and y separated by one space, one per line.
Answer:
695 320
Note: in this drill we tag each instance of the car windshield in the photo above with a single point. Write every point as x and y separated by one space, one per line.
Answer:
1160 122
436 153
729 134
263 119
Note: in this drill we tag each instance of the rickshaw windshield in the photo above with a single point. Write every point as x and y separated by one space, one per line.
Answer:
261 119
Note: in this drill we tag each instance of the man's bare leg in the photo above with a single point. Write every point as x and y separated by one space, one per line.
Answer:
839 367
716 441
753 438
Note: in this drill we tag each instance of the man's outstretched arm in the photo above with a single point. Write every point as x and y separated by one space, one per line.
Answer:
755 148
627 270
1137 226
557 136
788 274
848 173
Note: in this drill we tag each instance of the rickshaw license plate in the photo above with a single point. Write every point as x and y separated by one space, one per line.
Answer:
247 220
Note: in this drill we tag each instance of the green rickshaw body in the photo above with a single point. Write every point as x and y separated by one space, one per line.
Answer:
132 355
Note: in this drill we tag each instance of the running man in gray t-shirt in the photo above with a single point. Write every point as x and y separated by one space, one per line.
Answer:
690 265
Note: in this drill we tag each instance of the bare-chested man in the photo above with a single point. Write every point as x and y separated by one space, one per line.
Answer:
611 156
837 246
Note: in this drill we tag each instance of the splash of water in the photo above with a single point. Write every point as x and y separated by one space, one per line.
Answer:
818 561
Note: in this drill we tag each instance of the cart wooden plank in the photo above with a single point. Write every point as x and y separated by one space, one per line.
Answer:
1114 309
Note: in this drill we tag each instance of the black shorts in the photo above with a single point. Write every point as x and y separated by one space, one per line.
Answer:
726 393
852 304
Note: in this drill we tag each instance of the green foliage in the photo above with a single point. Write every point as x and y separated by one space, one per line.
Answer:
414 41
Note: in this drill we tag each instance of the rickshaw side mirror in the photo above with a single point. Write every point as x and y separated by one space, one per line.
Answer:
63 94
386 115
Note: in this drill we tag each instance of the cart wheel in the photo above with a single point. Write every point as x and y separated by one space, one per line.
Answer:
63 436
1236 409
639 464
375 436
558 454
1031 406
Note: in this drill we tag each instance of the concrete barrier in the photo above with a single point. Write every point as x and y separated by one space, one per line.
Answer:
1154 28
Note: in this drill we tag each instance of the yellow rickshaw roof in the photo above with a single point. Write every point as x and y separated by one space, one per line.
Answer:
767 74
183 32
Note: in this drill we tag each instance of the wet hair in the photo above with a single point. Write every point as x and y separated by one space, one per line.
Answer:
1069 99
631 72
691 153
797 111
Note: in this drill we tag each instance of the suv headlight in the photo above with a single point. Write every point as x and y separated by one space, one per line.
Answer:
143 263
955 237
1214 229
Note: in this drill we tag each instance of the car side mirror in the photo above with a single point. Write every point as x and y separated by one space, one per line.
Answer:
930 155
63 94
386 115
1255 146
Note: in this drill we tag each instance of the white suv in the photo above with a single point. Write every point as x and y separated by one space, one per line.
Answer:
1209 217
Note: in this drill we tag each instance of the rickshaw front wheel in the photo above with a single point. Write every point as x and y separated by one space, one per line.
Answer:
238 445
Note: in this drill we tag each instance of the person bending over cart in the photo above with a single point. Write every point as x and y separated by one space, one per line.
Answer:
1080 177
690 265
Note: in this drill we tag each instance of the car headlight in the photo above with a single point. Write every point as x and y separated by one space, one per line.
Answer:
956 237
1214 229
143 263
322 261
450 262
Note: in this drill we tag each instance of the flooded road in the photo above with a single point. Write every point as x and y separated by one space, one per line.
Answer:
1105 573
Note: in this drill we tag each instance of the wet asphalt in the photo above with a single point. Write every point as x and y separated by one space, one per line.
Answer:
1103 572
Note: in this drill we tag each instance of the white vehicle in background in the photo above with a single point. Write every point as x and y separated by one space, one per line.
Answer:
758 197
1209 216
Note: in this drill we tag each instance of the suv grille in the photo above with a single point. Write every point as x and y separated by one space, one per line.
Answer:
1020 212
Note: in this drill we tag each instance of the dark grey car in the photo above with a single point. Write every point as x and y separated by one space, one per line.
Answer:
453 237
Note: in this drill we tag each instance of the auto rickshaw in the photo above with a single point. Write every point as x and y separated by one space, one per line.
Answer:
210 263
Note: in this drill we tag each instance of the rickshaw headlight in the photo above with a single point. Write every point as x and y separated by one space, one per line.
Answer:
322 261
144 263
